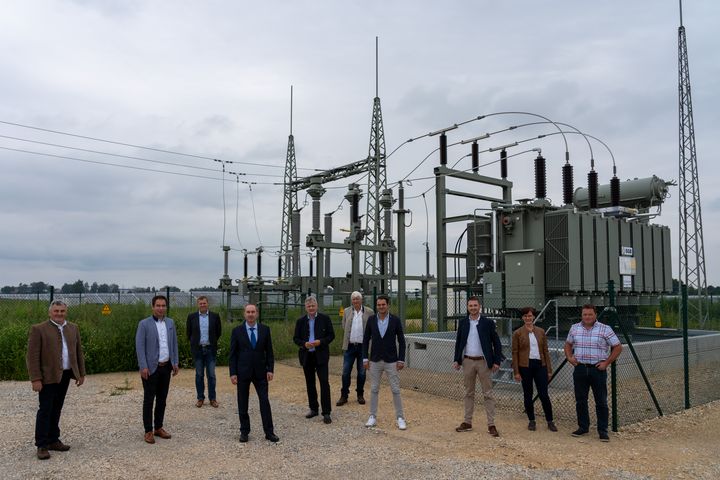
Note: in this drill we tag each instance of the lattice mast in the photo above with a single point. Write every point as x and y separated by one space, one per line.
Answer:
377 182
290 203
692 250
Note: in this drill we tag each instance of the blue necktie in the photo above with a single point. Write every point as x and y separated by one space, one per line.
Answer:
253 340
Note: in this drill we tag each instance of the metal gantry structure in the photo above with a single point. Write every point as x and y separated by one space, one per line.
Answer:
290 266
377 183
692 251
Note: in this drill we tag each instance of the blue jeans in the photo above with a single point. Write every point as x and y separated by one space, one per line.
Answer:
205 361
353 355
586 377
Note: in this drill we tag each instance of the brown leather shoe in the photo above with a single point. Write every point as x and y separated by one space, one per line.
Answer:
160 432
214 403
199 403
361 400
493 431
149 437
58 446
552 427
341 401
42 453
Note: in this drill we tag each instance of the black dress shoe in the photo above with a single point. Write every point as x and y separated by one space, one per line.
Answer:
58 446
311 414
243 437
361 400
272 437
342 401
327 419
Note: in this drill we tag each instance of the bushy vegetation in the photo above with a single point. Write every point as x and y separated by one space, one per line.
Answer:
109 341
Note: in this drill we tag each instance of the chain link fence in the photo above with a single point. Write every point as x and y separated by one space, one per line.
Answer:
652 330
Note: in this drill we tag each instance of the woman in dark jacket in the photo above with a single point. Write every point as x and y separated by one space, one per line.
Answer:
531 363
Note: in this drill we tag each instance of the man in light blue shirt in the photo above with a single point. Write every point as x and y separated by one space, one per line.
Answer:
203 330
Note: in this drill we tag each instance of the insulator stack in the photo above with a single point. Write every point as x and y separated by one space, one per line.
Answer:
443 149
593 189
615 191
540 177
503 163
567 179
279 267
475 157
259 263
245 265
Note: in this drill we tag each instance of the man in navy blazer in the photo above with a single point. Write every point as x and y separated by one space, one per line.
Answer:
313 334
252 361
156 347
203 330
384 331
479 352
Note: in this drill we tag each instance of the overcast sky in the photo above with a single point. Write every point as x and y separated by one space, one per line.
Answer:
212 78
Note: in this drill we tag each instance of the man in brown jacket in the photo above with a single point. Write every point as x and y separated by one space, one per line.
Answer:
54 357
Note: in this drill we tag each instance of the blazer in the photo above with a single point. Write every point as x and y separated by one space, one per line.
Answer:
521 348
323 332
44 353
147 343
348 315
247 362
384 348
193 330
489 341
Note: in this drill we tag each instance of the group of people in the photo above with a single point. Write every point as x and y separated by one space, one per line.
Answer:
373 341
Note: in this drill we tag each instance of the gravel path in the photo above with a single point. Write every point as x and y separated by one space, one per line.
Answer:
102 421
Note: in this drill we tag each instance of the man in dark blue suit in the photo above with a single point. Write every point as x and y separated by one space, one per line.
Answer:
252 361
479 352
313 334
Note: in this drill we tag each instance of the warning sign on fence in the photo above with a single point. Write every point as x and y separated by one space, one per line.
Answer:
106 309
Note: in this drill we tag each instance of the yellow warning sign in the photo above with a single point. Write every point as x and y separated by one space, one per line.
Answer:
106 309
658 320
342 311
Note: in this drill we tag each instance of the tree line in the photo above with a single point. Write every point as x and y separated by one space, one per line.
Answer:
84 287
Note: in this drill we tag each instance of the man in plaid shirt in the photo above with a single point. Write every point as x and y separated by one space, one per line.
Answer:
591 347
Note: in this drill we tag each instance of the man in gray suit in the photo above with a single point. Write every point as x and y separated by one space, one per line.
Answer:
157 353
354 321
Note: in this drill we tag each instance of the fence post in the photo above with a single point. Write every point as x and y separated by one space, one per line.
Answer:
613 366
686 366
424 297
167 294
52 293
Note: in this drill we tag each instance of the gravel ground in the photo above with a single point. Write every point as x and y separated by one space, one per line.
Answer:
102 421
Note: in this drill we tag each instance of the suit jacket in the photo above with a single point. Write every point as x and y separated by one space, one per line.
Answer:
44 354
391 347
147 343
521 348
348 315
323 331
489 341
193 330
247 362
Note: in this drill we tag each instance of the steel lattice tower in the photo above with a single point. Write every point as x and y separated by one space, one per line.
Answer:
377 181
290 203
692 250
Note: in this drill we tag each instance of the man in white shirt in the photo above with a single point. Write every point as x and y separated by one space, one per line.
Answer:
156 347
354 321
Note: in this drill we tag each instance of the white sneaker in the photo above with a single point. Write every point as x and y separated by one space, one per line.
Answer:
401 423
372 421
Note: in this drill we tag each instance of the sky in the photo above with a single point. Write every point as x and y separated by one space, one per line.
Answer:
211 80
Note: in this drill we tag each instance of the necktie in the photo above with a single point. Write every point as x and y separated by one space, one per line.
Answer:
253 340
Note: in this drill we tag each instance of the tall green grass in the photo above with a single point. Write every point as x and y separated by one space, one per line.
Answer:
109 341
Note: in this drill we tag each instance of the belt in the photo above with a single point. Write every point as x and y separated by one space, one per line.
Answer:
355 343
590 365
162 364
474 358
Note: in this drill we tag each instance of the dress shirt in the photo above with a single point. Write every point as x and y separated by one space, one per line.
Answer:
311 326
356 331
383 324
204 328
591 345
473 347
534 347
65 354
164 354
